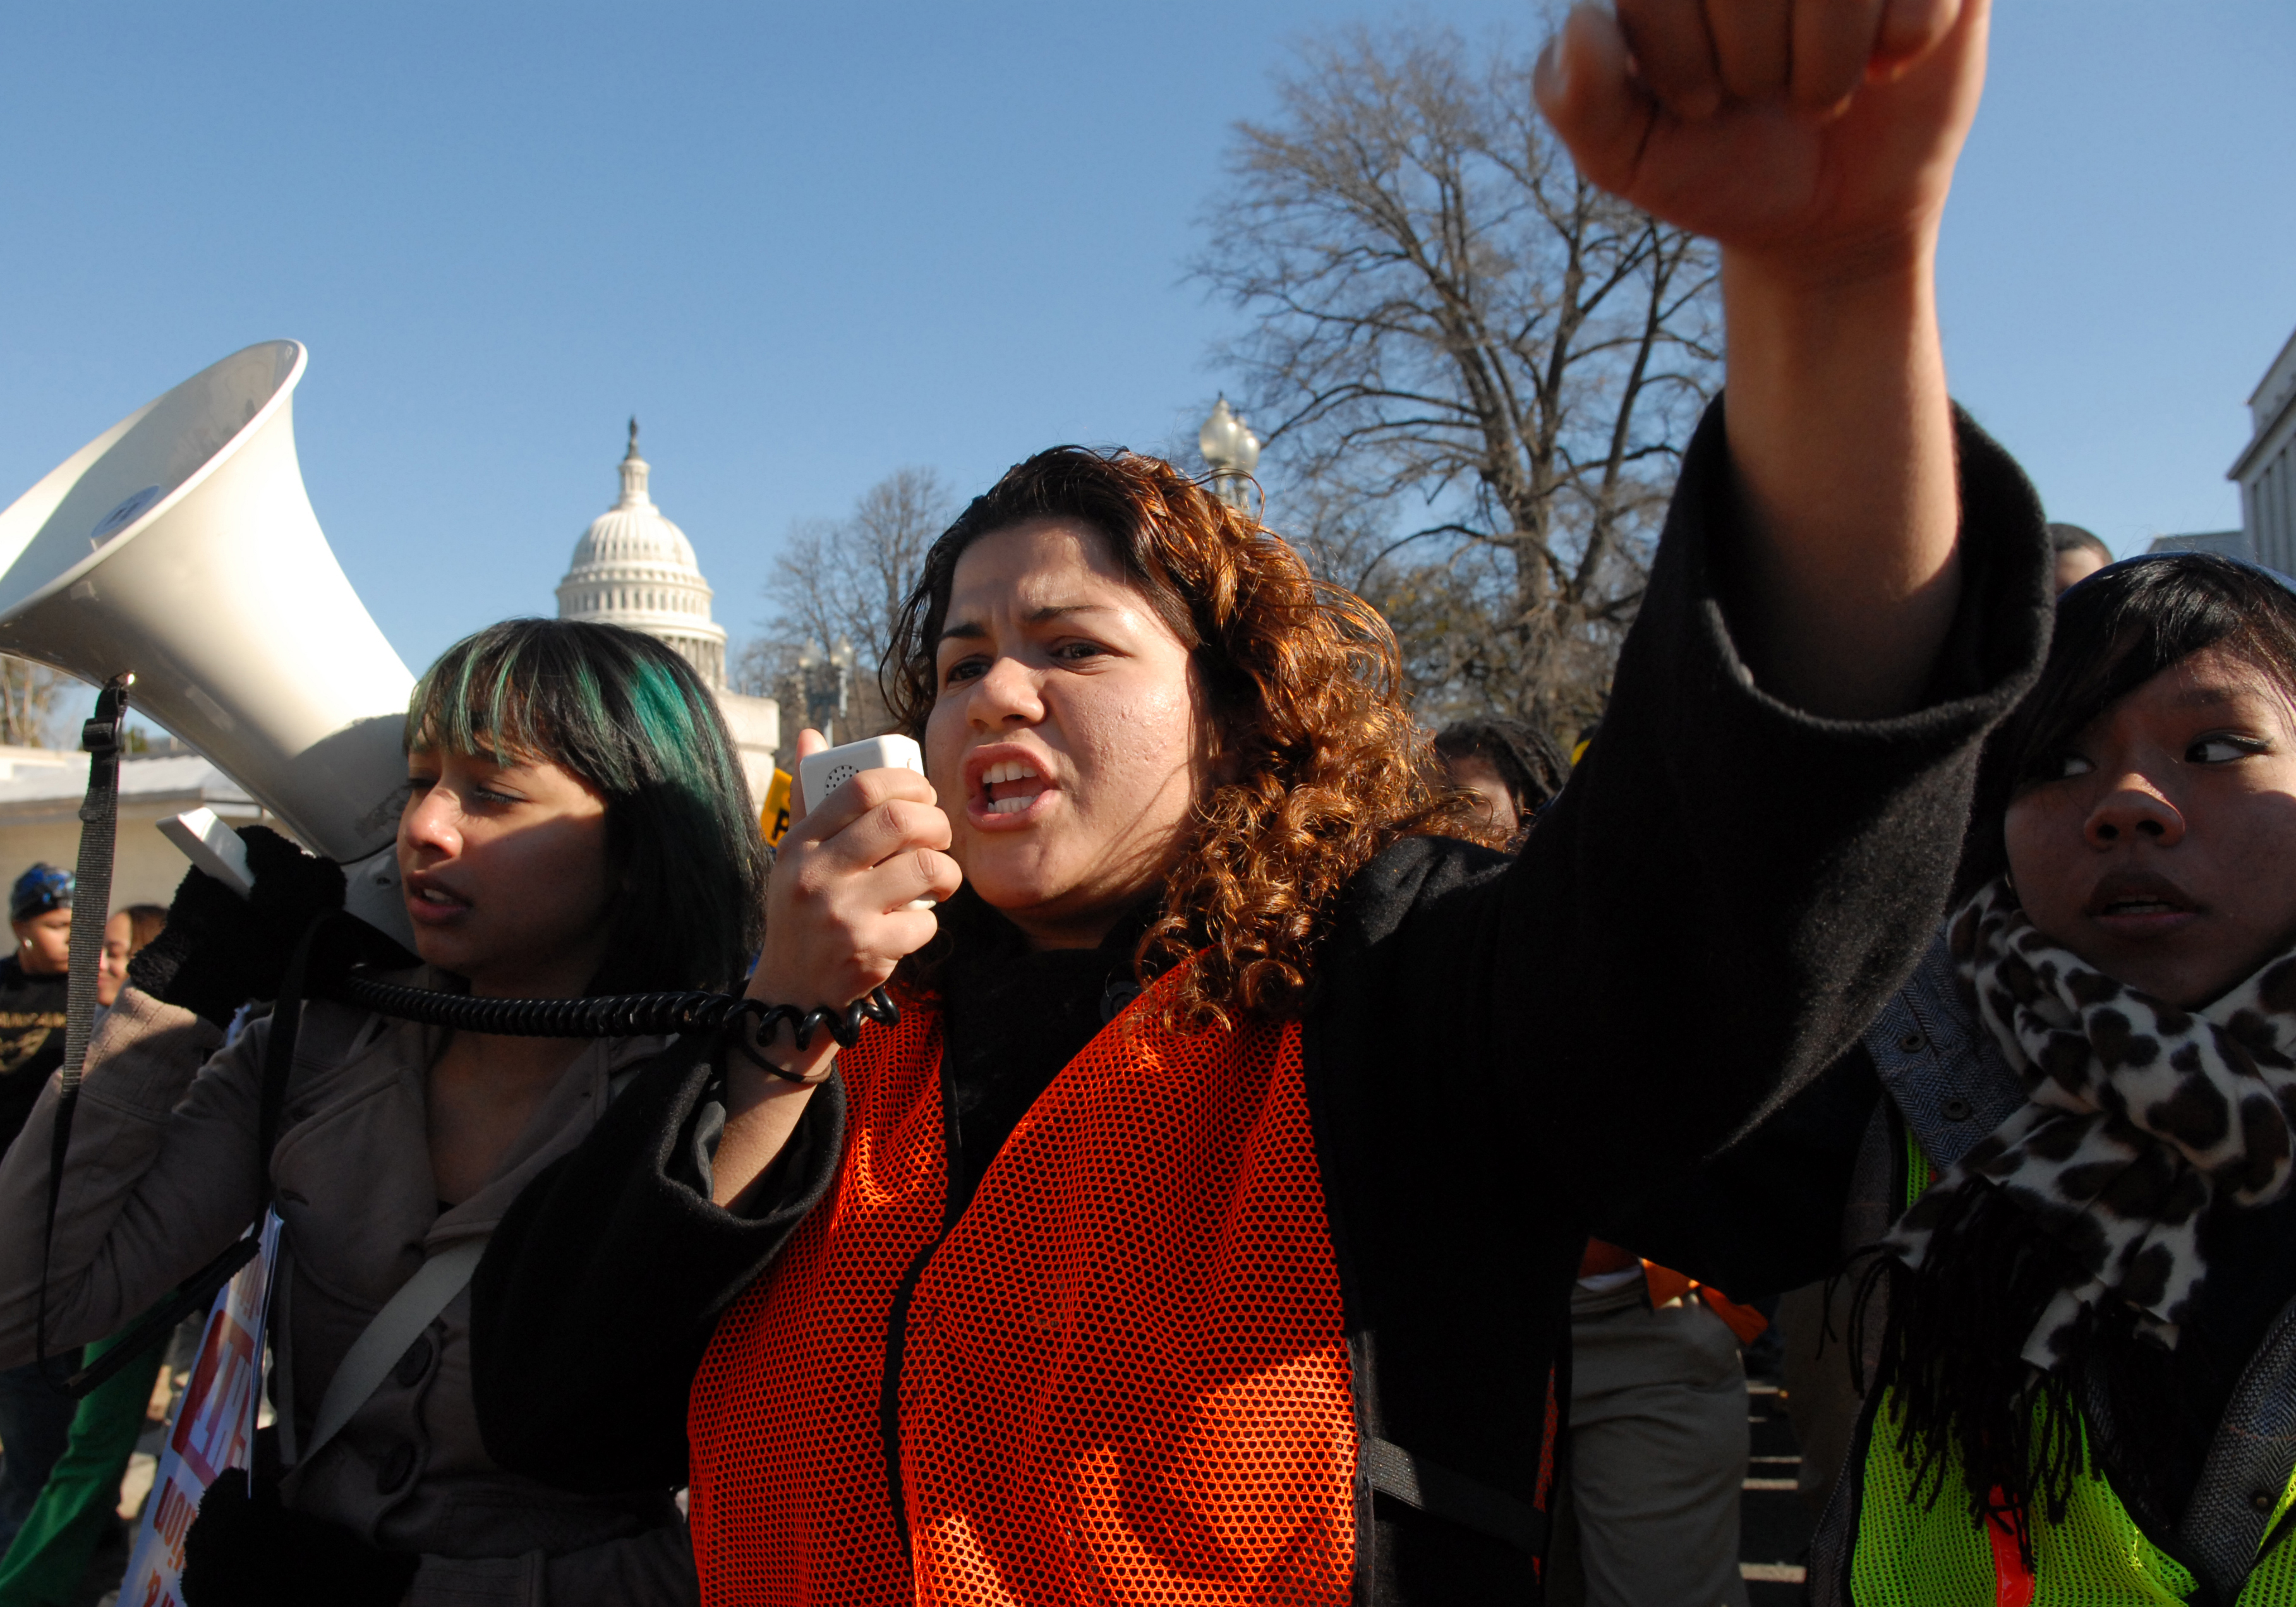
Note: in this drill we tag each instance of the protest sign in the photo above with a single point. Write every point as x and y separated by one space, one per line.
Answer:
214 1428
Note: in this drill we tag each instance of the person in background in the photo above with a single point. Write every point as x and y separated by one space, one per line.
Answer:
33 982
128 931
35 1414
1512 769
1658 1393
43 1565
2079 554
1659 1438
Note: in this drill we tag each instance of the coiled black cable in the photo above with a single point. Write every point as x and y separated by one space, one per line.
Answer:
608 1015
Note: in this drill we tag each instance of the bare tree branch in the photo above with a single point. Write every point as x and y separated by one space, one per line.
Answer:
28 701
843 580
1446 317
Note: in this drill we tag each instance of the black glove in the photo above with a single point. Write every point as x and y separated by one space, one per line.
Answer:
220 950
246 1550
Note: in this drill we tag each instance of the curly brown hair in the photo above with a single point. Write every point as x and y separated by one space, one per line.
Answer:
1326 766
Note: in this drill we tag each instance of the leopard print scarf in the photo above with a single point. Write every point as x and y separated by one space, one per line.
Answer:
2138 1115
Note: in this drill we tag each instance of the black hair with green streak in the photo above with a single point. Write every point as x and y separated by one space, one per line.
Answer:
630 718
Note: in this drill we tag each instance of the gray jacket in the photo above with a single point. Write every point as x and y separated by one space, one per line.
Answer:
1944 1076
162 1175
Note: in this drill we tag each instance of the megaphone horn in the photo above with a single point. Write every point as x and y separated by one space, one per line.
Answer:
180 546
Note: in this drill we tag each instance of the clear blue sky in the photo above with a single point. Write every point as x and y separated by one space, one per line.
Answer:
808 244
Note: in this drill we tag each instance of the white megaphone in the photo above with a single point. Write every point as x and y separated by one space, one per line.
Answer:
180 546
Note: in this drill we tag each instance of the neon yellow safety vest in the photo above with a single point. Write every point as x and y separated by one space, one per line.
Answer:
1909 1552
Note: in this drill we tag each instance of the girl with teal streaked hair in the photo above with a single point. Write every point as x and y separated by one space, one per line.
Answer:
576 822
627 715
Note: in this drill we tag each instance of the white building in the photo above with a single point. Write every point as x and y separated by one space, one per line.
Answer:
2224 544
40 794
2267 470
635 569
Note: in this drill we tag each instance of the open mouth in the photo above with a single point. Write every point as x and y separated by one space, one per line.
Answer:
426 901
2140 900
1011 786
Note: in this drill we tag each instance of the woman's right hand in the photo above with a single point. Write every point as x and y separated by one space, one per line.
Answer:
838 915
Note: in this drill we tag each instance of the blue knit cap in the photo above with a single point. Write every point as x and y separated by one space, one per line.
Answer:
39 890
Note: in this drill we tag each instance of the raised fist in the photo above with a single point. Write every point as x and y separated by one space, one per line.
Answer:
1818 135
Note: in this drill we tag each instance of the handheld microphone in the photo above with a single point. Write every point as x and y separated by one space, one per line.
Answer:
824 772
832 768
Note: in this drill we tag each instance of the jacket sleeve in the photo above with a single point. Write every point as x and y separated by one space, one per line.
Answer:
600 1291
1728 889
1768 1213
1501 1054
160 1176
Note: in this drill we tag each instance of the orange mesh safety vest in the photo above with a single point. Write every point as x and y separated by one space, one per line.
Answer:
1118 1377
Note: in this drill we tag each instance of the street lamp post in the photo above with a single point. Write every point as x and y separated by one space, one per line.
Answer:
827 680
1233 452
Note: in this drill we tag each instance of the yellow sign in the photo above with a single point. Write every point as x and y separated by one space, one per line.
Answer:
774 817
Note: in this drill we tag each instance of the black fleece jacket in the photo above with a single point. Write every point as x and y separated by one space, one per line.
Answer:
1499 1055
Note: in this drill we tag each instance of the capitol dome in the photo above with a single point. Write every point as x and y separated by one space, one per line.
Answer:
634 568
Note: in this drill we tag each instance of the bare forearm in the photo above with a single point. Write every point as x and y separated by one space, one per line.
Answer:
761 1112
1841 444
1815 141
852 889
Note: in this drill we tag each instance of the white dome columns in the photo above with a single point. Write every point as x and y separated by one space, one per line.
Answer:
635 569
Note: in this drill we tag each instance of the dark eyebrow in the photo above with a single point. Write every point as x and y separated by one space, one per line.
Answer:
972 630
2202 697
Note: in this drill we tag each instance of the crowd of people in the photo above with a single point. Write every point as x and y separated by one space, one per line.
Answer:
60 1459
1206 1139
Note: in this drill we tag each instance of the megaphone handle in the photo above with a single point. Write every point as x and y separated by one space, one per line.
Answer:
212 846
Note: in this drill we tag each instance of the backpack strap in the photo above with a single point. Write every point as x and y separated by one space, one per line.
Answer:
388 1334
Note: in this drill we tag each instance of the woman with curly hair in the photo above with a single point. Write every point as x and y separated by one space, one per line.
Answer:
1203 1229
